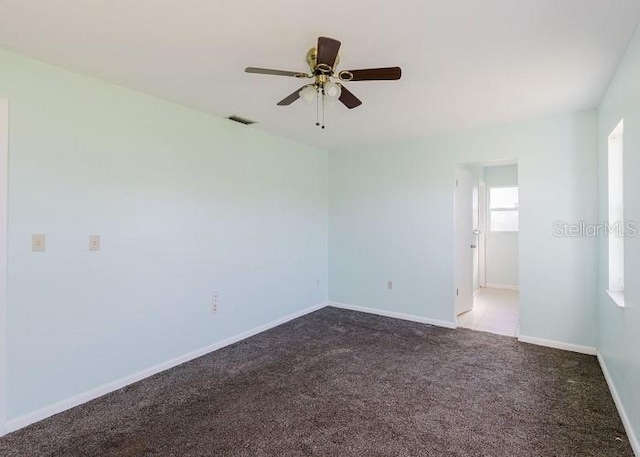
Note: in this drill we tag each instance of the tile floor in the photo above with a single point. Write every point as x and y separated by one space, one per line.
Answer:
494 311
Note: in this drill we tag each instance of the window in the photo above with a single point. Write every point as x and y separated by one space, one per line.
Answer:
503 209
616 214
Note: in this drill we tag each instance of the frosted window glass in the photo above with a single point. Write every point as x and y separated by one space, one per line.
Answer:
504 221
503 197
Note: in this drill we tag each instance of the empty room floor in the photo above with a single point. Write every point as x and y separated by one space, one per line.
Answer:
343 383
494 311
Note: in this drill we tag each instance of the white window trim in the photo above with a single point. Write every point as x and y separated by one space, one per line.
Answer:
617 296
616 135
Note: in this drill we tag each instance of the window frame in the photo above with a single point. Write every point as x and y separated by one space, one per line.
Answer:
615 214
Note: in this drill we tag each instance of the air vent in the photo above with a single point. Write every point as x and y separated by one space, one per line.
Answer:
241 120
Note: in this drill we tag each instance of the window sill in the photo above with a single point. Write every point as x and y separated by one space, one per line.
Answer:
617 297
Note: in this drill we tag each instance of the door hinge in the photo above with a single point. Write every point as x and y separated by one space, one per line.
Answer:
457 292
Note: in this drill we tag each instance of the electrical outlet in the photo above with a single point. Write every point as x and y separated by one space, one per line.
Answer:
38 243
389 284
94 242
214 302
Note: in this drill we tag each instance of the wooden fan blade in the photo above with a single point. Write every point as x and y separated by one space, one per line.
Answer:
348 99
269 71
327 51
289 99
372 74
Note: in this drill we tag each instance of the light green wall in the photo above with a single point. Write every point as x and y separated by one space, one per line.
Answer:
185 203
391 218
619 329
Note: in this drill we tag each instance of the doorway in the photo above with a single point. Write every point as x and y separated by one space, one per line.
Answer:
486 214
4 154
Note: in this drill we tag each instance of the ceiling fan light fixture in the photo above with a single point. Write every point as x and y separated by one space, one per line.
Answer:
332 90
308 93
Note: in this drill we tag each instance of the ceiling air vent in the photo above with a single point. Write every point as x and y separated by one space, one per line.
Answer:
241 120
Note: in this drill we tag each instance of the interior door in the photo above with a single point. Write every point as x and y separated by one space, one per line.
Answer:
464 240
481 238
476 234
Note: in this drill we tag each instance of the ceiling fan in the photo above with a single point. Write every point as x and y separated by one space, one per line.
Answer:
322 61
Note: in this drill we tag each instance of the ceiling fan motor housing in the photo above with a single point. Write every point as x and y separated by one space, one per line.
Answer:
322 69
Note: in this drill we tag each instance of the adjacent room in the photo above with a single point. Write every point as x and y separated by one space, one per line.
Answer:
487 247
278 228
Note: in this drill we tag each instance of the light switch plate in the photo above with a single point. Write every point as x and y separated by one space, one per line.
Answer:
38 242
94 242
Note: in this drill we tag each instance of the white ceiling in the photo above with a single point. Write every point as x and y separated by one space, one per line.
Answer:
465 62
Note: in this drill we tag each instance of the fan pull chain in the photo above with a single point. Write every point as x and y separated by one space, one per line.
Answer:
323 107
317 107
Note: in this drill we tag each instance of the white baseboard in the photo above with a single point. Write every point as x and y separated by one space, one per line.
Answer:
393 314
502 286
633 438
589 350
35 416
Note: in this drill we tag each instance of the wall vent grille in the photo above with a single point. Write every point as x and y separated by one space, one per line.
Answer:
241 120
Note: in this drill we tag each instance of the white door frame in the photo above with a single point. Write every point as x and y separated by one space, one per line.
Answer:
4 162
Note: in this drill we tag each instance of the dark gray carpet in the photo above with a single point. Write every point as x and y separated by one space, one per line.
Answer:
341 383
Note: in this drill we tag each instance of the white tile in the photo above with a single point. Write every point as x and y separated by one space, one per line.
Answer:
497 330
495 311
469 320
499 321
